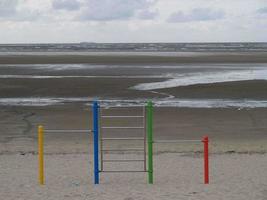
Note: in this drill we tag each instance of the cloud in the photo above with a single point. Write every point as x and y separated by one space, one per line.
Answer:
262 10
12 10
147 14
108 10
197 14
66 5
8 7
135 20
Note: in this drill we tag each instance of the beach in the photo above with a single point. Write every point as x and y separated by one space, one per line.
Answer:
226 101
230 130
177 176
157 58
221 95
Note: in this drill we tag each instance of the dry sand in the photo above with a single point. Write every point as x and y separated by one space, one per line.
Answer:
69 164
177 176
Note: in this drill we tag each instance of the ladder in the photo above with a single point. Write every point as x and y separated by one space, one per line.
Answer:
100 130
112 129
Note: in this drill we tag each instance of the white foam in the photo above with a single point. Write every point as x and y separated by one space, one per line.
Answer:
212 103
58 67
164 102
42 101
55 67
61 77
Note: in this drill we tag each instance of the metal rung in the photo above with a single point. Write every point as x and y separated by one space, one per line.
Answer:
127 138
117 116
123 160
129 149
67 131
121 171
175 141
118 107
121 127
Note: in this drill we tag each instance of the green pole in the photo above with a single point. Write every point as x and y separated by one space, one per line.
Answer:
150 141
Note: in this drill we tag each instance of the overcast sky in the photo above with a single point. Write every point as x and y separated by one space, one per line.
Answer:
38 21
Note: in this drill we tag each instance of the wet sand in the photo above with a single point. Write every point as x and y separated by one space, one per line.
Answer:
116 82
230 130
251 89
132 58
111 88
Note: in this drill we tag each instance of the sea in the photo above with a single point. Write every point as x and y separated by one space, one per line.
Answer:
135 47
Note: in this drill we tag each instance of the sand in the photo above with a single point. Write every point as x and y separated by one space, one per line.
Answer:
230 130
177 176
238 135
252 89
132 57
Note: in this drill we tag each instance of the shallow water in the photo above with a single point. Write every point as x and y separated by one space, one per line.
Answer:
173 76
178 80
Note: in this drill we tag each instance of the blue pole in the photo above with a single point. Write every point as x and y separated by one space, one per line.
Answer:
96 162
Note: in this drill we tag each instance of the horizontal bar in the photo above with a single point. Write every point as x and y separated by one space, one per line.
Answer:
126 160
121 171
67 131
124 138
118 107
175 141
121 127
117 116
129 149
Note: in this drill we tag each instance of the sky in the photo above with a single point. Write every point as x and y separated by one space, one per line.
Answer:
60 21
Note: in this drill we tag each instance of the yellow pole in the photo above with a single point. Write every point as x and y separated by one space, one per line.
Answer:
41 154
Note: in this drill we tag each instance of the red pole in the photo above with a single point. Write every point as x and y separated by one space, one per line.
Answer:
205 140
